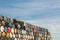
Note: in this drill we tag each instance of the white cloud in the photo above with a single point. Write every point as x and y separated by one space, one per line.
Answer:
41 5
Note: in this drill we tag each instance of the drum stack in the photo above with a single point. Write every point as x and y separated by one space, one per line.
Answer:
12 29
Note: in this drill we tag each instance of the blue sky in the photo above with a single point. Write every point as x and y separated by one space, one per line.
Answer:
43 13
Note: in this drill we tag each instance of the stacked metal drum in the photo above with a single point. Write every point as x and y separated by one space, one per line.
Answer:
12 29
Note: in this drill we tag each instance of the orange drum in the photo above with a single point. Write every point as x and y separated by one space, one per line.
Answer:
7 35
